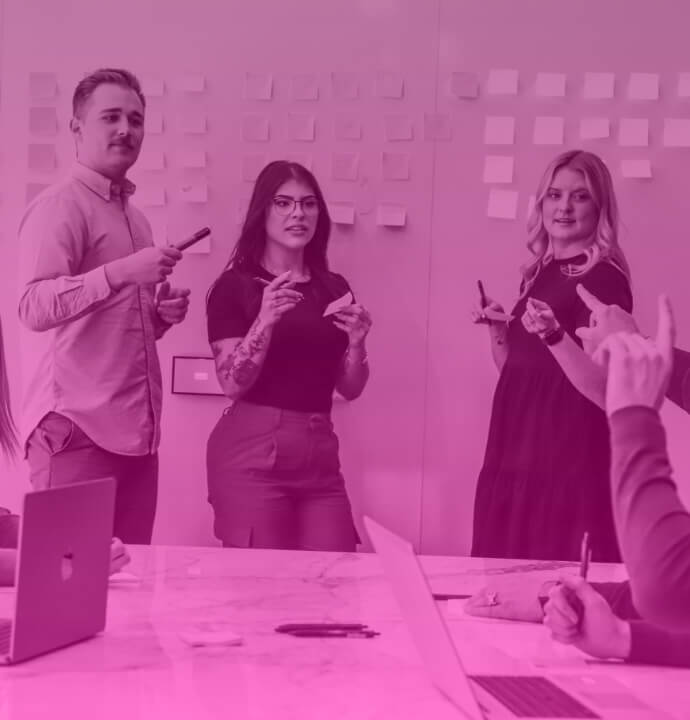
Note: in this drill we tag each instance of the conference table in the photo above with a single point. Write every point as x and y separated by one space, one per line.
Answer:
143 665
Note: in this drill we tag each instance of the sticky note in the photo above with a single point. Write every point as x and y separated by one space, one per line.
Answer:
153 122
502 204
548 130
636 168
643 86
301 127
345 166
464 85
633 132
152 85
43 121
42 157
200 375
395 166
42 85
342 213
391 216
398 128
305 87
150 196
676 132
191 158
33 190
255 128
252 165
684 85
499 130
303 159
151 160
190 82
502 82
345 86
498 169
194 192
390 85
550 84
595 128
347 127
193 123
338 304
258 86
437 127
599 85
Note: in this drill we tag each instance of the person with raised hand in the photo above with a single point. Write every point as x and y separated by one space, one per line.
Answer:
285 332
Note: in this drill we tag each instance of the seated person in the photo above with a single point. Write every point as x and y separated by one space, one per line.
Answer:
655 524
119 557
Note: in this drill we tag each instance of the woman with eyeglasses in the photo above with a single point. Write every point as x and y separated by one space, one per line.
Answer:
274 478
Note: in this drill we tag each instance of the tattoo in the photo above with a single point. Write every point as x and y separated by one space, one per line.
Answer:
243 365
216 349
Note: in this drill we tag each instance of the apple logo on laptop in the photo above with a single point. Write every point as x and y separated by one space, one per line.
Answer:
67 568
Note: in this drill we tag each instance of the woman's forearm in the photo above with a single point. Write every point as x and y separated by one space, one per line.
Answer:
354 374
8 559
498 335
589 379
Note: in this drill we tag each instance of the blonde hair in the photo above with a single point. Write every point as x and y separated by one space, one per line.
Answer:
8 437
605 245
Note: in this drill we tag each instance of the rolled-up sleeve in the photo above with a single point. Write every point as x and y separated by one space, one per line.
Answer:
53 291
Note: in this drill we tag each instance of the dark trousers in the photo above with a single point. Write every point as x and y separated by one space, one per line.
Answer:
274 481
60 453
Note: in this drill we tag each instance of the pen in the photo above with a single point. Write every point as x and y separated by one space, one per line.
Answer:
585 556
263 281
450 596
482 294
320 627
334 633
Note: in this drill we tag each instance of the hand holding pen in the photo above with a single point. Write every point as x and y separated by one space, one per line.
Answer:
488 312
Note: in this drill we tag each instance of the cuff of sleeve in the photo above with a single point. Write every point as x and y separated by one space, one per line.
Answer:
635 426
96 283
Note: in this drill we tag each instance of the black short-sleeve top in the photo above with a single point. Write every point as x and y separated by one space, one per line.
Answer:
306 351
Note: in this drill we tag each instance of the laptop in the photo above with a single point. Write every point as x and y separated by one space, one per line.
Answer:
485 697
61 578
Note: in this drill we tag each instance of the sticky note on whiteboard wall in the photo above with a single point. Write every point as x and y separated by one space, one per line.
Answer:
499 130
502 82
677 132
342 213
305 87
394 216
548 130
684 85
595 128
643 86
636 168
190 82
550 84
498 169
42 85
633 132
258 86
398 128
194 192
502 204
599 85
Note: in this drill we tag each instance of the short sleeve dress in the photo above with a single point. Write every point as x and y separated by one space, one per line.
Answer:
545 477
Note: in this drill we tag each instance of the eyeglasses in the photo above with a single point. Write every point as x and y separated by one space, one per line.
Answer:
285 205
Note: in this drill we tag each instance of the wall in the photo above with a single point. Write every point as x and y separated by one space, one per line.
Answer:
413 444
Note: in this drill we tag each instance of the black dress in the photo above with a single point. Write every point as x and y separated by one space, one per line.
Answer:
545 478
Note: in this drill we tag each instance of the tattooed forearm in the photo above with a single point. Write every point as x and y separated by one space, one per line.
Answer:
353 375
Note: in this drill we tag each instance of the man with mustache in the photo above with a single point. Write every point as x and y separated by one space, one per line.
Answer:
91 313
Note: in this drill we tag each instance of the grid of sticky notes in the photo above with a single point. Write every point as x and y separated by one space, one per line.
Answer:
549 92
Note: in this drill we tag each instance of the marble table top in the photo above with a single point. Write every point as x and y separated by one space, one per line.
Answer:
141 667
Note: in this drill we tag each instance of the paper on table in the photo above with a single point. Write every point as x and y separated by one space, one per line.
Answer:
345 85
633 132
255 128
548 130
391 216
437 127
502 204
152 85
252 165
599 85
192 158
499 130
42 157
677 132
190 82
43 120
345 166
395 166
347 127
390 85
498 169
502 82
341 302
258 86
643 86
342 213
550 84
153 122
684 85
151 160
463 85
305 87
194 192
636 168
595 128
301 127
398 127
42 85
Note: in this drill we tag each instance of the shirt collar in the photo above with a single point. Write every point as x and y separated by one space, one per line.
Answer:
102 185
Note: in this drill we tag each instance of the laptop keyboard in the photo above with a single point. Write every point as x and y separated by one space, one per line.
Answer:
5 635
532 696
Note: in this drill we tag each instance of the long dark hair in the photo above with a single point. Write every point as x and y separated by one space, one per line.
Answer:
8 437
250 247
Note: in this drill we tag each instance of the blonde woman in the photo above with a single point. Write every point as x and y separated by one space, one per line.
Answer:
545 481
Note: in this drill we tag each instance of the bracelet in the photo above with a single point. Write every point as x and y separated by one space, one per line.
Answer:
363 361
553 336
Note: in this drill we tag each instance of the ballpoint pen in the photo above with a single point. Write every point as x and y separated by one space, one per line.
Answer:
334 633
319 627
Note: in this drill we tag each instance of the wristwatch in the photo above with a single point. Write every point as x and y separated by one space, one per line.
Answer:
553 336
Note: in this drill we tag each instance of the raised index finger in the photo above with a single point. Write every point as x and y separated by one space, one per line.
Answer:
280 280
666 328
591 301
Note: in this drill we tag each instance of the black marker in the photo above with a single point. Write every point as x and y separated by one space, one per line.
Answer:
482 294
199 235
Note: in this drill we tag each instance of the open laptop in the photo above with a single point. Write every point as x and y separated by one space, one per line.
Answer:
485 697
61 578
